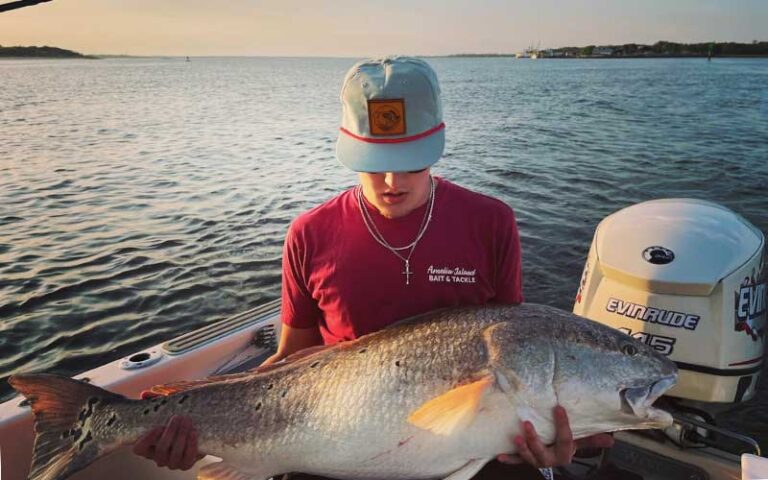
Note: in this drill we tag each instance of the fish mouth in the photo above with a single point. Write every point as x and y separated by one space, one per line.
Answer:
638 401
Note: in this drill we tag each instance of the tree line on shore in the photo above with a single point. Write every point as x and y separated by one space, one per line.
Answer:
664 49
47 52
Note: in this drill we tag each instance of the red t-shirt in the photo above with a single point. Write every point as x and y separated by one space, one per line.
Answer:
336 276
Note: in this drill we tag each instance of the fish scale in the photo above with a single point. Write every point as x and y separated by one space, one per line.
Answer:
436 394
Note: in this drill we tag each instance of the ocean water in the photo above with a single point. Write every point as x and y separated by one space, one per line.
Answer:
143 198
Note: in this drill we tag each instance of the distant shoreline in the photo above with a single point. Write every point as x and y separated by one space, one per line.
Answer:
659 49
41 52
596 57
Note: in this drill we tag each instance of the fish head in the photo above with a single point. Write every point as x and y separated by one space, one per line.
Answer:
608 379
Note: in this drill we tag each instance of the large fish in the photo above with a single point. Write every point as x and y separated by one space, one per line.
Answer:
435 396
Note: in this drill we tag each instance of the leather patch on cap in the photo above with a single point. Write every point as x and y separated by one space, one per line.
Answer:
387 117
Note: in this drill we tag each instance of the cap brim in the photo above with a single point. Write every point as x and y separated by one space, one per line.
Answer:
363 156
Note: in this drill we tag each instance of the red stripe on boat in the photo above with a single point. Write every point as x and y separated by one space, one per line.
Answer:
745 362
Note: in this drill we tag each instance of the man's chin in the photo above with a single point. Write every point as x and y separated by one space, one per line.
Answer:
395 211
390 213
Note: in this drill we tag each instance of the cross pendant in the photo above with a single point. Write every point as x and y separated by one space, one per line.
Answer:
407 273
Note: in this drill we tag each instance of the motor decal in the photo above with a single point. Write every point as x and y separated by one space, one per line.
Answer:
658 255
660 343
582 283
750 303
648 314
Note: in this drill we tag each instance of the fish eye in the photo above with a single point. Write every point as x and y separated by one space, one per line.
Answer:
629 349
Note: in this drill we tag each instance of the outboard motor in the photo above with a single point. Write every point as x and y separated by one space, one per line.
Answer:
687 277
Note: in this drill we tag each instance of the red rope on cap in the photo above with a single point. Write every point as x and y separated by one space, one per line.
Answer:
394 140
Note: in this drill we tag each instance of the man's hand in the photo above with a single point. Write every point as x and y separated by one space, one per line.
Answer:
173 446
530 449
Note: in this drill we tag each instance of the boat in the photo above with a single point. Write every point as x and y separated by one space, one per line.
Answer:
230 345
693 448
530 52
534 53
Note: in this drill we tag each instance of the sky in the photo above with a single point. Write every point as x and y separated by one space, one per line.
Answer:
346 28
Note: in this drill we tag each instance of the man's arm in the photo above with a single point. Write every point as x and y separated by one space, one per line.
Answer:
293 339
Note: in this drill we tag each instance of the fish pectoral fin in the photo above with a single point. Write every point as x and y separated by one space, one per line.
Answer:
469 470
223 471
452 411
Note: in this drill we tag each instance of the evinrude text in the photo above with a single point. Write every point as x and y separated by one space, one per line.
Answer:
653 315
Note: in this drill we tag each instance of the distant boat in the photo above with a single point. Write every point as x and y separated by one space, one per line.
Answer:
530 52
535 52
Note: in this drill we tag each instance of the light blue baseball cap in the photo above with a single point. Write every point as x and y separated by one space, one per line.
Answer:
392 118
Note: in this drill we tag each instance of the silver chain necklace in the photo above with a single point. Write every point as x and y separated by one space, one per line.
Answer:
376 234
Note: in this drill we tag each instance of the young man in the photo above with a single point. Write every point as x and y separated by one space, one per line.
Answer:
399 244
402 242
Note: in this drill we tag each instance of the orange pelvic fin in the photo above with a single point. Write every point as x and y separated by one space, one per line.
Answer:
452 411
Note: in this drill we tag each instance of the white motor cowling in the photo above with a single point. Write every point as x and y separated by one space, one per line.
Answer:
687 277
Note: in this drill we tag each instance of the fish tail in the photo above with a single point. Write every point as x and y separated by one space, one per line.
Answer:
63 408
